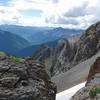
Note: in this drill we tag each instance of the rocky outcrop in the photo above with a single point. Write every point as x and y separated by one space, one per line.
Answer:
24 80
55 58
73 39
93 81
95 69
89 43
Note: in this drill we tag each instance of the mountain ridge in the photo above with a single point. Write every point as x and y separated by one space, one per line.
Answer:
40 35
10 43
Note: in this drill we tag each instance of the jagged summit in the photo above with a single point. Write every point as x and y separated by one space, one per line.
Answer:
89 43
56 57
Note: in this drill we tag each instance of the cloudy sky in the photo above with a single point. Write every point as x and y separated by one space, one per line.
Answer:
64 13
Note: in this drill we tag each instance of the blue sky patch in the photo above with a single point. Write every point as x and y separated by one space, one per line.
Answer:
4 2
31 13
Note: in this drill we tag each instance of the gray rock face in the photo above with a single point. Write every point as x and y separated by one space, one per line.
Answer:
24 80
89 43
93 81
56 58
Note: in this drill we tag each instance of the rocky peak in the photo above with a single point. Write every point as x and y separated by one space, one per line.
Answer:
56 57
43 53
89 43
24 80
62 46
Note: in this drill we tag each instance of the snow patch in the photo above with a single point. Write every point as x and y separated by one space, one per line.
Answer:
67 94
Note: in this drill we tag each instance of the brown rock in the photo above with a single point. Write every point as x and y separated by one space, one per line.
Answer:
95 68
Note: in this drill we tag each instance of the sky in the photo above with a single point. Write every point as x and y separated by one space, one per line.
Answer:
78 14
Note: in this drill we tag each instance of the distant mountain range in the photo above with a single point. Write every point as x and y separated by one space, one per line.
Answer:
10 43
40 35
23 31
52 35
24 41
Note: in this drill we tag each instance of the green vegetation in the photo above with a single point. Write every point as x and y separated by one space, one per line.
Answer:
93 92
2 54
97 90
16 59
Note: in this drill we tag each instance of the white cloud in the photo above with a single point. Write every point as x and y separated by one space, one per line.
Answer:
65 13
74 14
30 4
9 16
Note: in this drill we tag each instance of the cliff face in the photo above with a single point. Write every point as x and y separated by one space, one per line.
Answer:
55 58
93 81
24 80
95 69
89 43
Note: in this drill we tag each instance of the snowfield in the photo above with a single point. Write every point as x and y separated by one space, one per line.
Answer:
67 94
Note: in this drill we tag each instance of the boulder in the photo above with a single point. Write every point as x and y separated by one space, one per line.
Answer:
24 80
94 70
